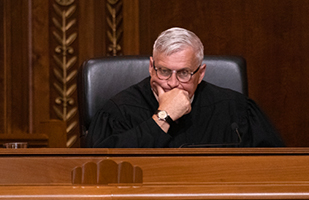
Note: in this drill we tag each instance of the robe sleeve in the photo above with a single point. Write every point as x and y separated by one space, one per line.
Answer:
110 129
262 132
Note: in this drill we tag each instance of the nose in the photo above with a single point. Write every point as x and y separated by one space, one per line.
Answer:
173 82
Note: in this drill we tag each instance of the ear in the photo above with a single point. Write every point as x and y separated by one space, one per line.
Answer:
150 65
202 73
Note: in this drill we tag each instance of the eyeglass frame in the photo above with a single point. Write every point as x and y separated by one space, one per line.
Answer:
175 71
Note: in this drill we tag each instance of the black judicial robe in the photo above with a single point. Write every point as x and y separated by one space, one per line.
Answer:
219 118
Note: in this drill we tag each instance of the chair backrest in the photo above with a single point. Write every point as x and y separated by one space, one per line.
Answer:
102 78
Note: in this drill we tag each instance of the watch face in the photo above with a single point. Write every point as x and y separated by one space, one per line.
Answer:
162 114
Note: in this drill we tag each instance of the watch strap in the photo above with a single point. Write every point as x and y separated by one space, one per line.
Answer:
168 119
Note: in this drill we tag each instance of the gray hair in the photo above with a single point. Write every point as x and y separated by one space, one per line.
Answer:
177 39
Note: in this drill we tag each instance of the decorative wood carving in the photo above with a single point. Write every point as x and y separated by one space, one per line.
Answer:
115 27
106 172
65 58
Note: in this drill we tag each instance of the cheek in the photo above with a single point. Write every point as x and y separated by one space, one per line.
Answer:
191 88
154 80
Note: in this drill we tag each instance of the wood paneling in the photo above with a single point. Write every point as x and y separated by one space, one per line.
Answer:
158 192
166 166
25 81
32 140
63 65
40 63
15 74
2 68
167 173
131 39
271 35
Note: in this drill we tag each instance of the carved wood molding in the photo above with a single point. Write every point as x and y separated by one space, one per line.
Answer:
64 69
114 31
64 57
106 172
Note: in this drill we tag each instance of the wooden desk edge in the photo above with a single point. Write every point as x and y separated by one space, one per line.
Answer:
155 192
154 152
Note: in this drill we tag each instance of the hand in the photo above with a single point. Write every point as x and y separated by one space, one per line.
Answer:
175 102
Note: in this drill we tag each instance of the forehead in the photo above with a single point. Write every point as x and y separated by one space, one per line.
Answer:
178 60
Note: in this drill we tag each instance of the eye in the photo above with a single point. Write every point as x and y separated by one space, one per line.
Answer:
183 73
164 71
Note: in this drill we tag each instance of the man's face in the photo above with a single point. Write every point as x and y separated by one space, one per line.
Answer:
184 59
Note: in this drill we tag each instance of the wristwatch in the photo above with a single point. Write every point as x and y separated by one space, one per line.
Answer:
162 115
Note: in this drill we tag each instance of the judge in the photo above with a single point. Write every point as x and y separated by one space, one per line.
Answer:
174 107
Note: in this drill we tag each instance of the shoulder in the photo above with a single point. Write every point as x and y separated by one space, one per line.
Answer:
135 95
211 94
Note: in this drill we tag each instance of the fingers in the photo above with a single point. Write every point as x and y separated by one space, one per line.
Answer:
189 108
160 90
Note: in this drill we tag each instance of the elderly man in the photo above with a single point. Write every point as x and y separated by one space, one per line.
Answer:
175 108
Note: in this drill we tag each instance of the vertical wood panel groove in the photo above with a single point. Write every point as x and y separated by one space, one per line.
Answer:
30 94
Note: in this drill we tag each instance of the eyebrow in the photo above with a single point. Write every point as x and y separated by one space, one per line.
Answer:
159 66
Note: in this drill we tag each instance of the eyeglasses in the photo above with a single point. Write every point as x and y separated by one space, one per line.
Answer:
183 75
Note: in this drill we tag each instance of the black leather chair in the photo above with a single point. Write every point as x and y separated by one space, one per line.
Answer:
102 78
